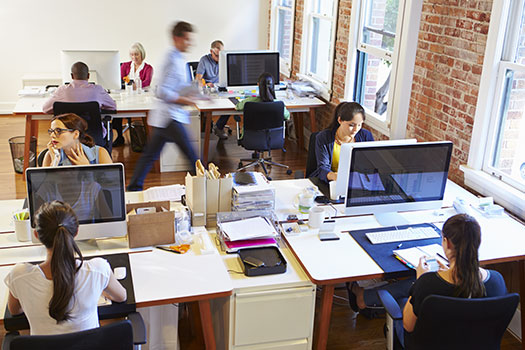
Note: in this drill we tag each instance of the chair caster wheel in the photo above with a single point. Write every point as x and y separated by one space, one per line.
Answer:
269 178
239 165
288 172
230 131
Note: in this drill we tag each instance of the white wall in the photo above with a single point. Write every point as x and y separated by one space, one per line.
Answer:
32 32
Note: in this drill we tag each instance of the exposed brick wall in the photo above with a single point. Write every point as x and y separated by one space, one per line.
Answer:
447 74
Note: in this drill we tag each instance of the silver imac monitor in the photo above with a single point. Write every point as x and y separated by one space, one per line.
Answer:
104 66
95 192
386 179
241 69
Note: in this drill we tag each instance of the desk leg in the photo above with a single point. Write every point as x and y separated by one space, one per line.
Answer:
323 321
207 325
313 123
207 131
300 131
522 301
27 141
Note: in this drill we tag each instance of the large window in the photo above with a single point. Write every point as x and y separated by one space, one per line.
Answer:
318 40
282 31
498 142
385 35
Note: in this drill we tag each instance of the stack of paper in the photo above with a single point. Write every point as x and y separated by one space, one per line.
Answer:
252 191
255 231
164 193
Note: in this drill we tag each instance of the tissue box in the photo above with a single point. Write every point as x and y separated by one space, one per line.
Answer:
151 228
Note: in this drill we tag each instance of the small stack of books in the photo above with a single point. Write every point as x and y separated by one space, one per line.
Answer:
252 191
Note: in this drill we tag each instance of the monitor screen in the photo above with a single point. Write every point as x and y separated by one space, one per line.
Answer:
95 192
245 68
398 174
104 66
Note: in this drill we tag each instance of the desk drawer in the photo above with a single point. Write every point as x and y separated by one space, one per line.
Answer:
173 159
301 344
273 316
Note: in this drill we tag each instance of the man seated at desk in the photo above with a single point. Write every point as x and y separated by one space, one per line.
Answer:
208 69
80 90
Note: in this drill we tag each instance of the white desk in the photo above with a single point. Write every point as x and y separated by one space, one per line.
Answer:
334 262
136 105
223 106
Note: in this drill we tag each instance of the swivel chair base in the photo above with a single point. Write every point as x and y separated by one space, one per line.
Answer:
262 162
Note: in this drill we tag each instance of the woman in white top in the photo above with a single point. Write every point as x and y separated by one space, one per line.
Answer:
61 294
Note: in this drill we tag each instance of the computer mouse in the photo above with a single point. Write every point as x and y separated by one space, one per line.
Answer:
120 272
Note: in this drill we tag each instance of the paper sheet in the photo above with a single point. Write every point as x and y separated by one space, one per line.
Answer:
164 193
257 227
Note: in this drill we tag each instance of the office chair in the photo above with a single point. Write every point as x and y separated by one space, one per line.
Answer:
91 113
263 130
311 161
41 156
451 323
126 334
192 68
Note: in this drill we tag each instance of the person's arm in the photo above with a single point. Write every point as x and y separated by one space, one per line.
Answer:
115 291
198 77
103 156
13 304
172 84
409 317
105 101
201 69
324 159
56 96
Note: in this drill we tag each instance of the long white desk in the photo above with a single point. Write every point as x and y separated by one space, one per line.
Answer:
503 240
136 105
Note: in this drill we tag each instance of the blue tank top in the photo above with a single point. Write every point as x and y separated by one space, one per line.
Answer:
90 152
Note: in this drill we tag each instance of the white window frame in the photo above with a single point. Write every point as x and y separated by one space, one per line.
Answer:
285 64
325 86
403 59
479 174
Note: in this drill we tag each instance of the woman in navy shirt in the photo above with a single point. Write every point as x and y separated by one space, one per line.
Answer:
346 127
464 278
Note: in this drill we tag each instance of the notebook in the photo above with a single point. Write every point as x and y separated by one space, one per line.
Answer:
411 256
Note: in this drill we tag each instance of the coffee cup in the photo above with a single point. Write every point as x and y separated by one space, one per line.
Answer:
316 217
23 230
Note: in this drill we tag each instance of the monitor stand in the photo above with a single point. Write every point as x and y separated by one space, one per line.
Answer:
391 218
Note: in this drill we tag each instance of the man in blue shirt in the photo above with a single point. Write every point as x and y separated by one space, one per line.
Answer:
168 118
208 69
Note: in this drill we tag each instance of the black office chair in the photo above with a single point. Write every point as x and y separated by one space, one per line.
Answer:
115 336
192 68
311 161
263 130
451 323
91 113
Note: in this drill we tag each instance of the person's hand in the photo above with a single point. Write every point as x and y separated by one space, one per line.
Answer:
331 176
442 267
210 84
52 151
77 156
423 267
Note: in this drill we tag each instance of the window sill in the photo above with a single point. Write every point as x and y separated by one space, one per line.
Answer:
487 185
377 124
325 92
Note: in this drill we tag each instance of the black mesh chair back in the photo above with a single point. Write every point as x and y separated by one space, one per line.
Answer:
263 126
114 336
459 323
90 112
311 161
192 67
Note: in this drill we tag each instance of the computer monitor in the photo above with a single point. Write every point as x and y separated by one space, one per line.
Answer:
104 66
385 179
95 192
239 69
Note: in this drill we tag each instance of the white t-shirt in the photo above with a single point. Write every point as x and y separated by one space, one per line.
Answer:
30 286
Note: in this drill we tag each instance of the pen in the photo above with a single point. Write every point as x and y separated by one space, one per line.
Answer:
442 257
399 245
167 249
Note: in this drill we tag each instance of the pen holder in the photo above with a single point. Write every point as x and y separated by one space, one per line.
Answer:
23 230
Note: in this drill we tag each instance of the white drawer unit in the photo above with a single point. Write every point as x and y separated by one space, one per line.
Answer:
282 315
172 158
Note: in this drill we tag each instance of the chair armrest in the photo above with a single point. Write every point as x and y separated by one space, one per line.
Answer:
390 304
237 128
6 344
139 329
108 111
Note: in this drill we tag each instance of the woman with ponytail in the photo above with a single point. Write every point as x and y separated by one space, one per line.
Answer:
71 145
346 127
463 278
61 294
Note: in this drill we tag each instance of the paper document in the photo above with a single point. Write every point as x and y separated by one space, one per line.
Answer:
164 193
257 227
410 256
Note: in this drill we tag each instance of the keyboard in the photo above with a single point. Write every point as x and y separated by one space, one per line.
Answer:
404 234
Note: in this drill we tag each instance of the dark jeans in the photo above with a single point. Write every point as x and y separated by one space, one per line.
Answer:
222 121
174 132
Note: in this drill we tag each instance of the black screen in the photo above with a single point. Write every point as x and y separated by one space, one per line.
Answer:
96 193
245 68
398 174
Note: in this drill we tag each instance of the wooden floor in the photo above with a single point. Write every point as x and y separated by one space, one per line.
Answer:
347 330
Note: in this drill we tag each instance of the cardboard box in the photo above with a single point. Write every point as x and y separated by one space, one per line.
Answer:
152 228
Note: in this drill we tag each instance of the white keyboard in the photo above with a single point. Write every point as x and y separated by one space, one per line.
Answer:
407 234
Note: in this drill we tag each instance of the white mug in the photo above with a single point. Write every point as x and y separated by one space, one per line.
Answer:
23 230
316 217
332 190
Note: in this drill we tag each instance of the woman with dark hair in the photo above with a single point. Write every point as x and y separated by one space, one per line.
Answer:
71 145
464 278
61 294
346 127
266 93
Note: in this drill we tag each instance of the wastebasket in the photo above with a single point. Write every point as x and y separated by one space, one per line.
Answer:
137 132
17 152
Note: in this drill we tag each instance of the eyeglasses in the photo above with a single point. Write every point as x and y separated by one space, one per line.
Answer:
58 131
